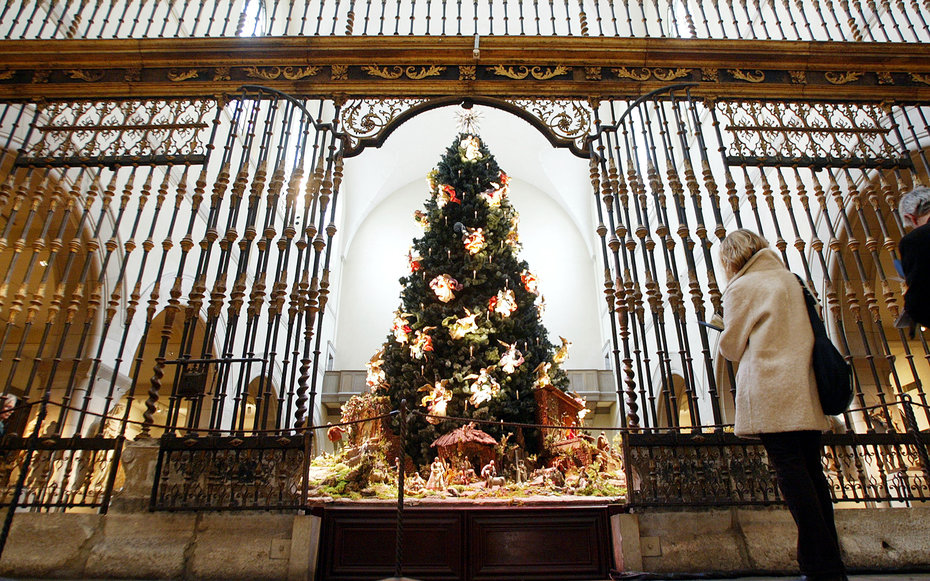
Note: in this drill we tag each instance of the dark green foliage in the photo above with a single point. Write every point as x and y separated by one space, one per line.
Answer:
494 268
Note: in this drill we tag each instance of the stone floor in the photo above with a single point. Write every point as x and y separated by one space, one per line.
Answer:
871 576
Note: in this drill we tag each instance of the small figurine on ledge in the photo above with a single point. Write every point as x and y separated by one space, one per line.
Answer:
437 476
489 473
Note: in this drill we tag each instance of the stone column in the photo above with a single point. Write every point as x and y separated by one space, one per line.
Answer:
137 466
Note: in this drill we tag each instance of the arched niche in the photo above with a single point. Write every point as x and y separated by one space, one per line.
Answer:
259 408
888 361
681 413
556 225
51 297
183 402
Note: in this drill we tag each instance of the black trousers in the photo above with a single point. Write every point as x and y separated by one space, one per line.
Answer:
796 459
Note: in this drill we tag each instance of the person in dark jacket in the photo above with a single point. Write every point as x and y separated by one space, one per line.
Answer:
914 208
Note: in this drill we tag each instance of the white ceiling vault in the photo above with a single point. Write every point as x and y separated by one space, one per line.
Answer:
382 187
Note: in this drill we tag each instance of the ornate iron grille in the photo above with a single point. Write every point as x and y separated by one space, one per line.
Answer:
64 473
816 135
120 275
259 472
113 133
720 469
697 470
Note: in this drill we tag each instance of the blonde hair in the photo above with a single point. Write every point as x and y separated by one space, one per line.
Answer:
737 248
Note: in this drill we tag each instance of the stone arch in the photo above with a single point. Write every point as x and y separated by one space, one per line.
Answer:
178 404
258 408
561 235
681 411
50 292
565 123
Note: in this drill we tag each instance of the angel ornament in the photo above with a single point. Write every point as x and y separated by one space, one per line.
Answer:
504 303
562 354
444 286
375 376
400 329
462 326
542 375
484 387
436 400
511 359
422 343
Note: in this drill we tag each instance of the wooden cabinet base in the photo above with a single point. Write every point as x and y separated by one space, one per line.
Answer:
466 542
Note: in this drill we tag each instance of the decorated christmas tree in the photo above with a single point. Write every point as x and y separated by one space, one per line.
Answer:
467 340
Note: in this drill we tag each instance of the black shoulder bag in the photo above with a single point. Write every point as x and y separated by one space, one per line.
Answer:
833 374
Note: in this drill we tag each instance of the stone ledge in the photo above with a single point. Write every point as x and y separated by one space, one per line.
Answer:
277 546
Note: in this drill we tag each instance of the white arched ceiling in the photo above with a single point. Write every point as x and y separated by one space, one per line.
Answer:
415 148
382 188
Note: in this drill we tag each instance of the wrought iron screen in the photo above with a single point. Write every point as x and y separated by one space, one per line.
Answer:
166 272
63 473
820 180
259 472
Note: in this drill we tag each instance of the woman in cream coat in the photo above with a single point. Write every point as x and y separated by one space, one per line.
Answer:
768 332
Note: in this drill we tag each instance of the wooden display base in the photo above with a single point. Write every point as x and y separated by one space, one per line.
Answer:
467 541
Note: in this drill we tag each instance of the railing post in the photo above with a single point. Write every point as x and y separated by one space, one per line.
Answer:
399 537
24 468
910 423
111 476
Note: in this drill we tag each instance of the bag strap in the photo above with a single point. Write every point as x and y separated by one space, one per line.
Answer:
817 325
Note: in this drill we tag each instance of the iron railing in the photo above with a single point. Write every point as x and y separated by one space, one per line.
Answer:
797 20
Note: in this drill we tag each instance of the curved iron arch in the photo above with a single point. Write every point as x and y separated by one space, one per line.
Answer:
378 139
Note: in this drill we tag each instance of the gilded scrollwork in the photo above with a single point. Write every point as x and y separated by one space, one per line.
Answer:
221 74
885 78
755 76
644 73
710 75
339 72
396 72
298 73
7 74
640 74
133 75
177 76
568 119
467 72
423 72
521 72
592 73
391 73
798 77
273 73
89 76
41 76
921 78
267 73
842 78
664 74
364 118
